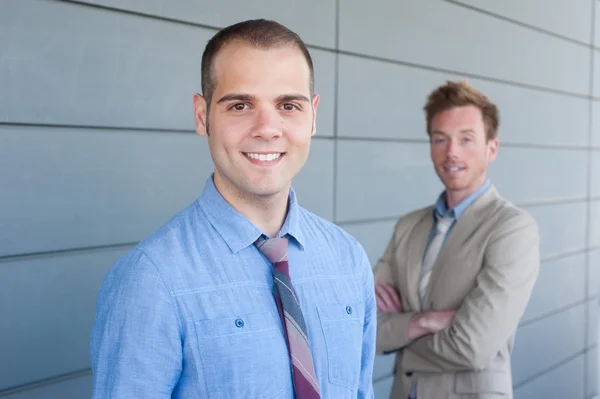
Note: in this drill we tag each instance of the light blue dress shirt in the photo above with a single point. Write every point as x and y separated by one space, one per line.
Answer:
189 313
441 208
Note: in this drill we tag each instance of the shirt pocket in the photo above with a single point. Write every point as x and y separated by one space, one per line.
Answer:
243 356
342 326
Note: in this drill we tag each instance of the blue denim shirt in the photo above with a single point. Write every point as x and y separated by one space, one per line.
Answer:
189 313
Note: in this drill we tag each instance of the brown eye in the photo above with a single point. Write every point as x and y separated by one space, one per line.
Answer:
289 107
239 106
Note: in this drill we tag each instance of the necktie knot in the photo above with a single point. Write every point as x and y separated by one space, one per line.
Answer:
275 249
443 224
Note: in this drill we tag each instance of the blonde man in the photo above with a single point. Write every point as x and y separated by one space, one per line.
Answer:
456 276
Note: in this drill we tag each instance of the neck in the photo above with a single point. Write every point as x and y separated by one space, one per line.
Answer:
267 213
455 197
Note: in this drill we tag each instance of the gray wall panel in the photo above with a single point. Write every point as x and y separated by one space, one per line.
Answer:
373 236
562 227
561 283
596 23
596 121
314 21
592 323
564 332
390 98
384 366
594 273
48 306
76 388
596 82
99 67
426 32
595 177
314 183
383 388
382 179
143 82
595 224
532 174
324 66
570 19
566 381
77 188
591 358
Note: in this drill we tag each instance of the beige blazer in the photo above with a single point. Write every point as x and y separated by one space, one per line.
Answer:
486 271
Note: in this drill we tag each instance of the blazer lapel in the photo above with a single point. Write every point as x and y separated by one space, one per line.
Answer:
463 229
416 249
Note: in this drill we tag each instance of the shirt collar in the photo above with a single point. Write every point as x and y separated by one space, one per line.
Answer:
235 229
442 209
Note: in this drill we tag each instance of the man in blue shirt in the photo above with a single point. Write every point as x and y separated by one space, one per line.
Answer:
193 311
456 277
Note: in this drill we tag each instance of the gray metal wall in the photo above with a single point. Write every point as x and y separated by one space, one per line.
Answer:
97 150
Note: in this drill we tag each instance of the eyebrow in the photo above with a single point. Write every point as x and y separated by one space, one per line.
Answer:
471 131
250 98
235 97
292 97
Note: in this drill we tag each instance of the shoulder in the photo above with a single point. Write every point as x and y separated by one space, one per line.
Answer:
147 259
412 218
508 218
407 222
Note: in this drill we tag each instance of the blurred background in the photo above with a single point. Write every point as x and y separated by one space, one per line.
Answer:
97 150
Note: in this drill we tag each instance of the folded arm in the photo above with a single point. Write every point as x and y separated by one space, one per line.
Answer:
490 314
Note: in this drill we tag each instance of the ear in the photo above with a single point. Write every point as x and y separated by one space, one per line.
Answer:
492 149
200 114
315 104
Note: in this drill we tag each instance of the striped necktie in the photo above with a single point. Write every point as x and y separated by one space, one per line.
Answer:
303 371
442 227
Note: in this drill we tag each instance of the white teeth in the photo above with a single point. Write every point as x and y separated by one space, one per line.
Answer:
453 168
263 157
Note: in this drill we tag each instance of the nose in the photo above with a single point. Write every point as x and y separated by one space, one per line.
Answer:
268 124
452 148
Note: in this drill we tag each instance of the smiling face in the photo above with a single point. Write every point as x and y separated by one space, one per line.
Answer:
261 119
460 150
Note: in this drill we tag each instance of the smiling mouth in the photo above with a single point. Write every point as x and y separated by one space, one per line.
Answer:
453 169
263 157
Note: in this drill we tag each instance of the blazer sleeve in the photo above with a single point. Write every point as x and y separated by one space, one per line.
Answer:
490 313
392 328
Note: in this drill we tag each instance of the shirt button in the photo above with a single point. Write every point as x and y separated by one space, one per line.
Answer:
239 323
349 309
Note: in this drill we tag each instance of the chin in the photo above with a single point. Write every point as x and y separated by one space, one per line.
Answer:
268 190
454 185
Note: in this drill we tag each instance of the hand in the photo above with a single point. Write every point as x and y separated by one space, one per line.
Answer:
436 321
388 299
429 323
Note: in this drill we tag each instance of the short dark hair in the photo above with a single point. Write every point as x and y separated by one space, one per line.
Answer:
262 33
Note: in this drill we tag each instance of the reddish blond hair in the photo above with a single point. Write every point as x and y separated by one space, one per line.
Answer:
461 94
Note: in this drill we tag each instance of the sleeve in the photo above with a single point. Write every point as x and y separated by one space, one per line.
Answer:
490 313
392 328
136 343
365 388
